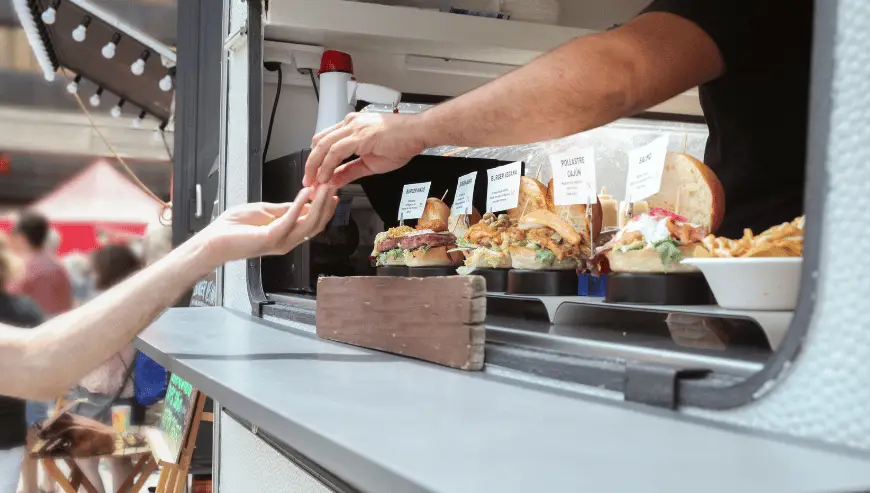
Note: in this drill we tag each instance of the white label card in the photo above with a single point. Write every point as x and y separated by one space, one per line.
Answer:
503 187
574 177
462 201
645 168
413 201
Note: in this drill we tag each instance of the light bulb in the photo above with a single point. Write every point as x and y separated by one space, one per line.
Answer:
80 33
109 50
116 110
73 87
137 123
49 16
165 83
95 100
138 67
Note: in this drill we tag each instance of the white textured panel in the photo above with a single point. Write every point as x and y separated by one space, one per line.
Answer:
235 284
250 465
827 395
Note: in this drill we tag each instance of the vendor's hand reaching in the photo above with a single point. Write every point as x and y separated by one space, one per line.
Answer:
255 230
382 142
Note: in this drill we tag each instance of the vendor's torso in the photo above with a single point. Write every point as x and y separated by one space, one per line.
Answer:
758 116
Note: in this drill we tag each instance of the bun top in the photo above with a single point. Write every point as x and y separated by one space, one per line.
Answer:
533 197
435 215
459 224
575 214
544 218
692 190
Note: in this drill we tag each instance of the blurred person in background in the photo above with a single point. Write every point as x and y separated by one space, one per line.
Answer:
110 384
16 311
78 269
44 281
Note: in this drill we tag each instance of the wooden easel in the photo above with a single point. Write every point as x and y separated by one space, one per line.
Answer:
174 470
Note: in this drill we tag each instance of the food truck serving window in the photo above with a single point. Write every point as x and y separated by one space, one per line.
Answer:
648 293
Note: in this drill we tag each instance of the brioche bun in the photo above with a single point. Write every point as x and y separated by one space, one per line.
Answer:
433 257
650 262
545 218
575 214
526 259
487 258
533 197
691 189
459 224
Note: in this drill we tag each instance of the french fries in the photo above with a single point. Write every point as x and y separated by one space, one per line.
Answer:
784 240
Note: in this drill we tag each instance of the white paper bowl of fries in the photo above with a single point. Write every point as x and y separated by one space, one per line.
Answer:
760 272
755 283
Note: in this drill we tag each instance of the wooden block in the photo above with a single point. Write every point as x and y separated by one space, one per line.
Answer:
437 319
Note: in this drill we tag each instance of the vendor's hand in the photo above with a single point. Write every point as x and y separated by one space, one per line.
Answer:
383 142
255 230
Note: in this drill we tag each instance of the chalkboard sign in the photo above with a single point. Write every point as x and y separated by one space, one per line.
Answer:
178 407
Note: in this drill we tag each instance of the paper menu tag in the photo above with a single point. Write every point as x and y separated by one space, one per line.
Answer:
574 177
413 202
645 168
462 201
503 187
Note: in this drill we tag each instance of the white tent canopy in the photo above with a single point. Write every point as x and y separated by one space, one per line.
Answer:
101 194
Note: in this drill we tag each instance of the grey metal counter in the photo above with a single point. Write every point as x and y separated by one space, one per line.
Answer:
384 423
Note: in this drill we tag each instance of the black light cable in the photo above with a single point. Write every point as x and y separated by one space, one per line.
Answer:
273 67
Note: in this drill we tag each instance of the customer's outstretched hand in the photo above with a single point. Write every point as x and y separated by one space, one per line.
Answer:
255 230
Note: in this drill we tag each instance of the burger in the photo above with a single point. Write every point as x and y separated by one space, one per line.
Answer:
578 216
655 243
386 249
543 241
431 244
485 244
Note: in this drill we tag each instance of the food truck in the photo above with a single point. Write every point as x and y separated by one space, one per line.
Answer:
746 372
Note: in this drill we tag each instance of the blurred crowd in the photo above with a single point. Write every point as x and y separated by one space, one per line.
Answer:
35 285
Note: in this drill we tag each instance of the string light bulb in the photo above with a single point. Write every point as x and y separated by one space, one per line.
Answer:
109 50
165 83
116 110
137 122
49 15
80 33
138 67
95 99
73 87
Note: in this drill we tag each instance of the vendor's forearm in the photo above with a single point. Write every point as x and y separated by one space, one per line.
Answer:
586 83
67 347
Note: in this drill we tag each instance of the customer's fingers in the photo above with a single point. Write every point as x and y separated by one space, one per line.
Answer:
307 226
281 228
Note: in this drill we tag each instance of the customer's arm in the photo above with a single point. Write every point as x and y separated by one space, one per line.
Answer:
42 362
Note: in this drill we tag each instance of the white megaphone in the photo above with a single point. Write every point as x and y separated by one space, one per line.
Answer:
340 91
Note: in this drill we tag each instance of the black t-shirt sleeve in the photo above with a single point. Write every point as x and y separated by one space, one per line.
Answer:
740 28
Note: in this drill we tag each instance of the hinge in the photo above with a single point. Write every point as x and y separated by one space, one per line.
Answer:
657 385
236 39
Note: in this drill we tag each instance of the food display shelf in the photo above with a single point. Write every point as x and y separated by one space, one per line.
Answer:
775 324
